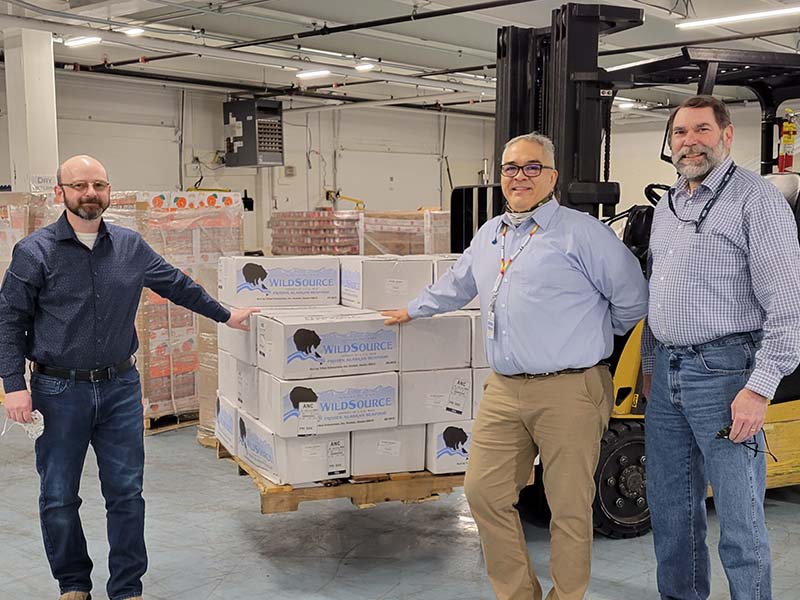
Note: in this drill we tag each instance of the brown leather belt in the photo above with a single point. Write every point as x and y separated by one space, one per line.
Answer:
92 375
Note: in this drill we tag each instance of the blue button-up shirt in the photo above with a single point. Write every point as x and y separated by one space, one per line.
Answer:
64 305
562 299
740 272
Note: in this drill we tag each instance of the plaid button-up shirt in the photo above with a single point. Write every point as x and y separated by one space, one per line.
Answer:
739 272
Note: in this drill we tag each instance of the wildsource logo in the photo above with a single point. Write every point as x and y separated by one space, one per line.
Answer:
306 341
333 405
452 442
347 346
254 277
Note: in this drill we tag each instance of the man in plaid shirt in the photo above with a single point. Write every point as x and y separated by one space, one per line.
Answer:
724 329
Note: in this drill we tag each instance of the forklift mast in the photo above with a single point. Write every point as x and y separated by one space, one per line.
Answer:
548 81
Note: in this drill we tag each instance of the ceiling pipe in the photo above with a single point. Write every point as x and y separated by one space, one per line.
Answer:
325 30
414 16
237 88
433 99
9 21
726 38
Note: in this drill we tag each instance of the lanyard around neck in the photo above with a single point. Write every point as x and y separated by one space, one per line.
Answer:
505 264
710 203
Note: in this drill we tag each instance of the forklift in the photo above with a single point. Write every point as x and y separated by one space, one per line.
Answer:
548 80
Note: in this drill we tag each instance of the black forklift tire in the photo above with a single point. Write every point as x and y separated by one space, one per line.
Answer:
620 505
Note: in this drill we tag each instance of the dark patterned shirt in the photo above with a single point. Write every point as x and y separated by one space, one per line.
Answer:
64 305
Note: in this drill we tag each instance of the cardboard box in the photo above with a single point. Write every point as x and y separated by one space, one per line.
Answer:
238 343
227 375
384 282
435 396
447 447
292 460
328 405
394 450
479 377
272 281
227 425
300 346
247 387
441 342
441 264
478 348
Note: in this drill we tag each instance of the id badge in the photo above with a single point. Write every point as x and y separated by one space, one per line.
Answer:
490 325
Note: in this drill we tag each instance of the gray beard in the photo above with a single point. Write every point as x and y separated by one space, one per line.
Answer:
698 172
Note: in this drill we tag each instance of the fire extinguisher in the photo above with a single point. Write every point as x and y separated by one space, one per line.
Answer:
786 148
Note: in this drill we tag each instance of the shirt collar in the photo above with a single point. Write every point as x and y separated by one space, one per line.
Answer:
64 230
712 180
542 215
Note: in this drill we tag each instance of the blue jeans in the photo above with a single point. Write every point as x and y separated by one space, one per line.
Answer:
690 401
108 414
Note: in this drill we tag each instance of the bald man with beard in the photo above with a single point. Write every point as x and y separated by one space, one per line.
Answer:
68 304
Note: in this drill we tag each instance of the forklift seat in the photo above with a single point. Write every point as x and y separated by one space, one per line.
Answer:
789 186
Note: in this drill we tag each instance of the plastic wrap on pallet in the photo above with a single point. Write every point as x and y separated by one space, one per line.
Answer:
315 232
191 230
404 233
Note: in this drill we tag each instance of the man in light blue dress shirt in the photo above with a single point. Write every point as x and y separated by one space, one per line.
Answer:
724 328
554 286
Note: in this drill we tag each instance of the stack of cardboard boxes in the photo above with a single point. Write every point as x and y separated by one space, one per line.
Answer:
325 390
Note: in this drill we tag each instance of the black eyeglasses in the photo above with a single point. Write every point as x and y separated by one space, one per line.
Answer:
83 186
725 432
529 170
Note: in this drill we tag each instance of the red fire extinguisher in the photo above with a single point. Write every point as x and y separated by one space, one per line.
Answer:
786 147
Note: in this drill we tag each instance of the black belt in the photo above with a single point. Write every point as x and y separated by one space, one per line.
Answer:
561 372
92 375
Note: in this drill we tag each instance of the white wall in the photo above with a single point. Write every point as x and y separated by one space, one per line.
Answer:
636 148
389 159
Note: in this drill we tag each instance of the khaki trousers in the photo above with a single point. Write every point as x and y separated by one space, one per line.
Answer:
562 418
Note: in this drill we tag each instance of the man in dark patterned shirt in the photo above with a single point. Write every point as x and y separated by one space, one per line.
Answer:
68 304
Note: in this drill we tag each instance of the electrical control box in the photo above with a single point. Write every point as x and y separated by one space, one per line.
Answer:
253 133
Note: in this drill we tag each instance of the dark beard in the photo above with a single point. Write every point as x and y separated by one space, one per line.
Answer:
87 214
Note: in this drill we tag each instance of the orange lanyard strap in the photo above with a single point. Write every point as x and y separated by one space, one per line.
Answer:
504 264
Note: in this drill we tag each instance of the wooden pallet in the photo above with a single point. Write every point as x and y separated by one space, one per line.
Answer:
207 441
154 425
421 486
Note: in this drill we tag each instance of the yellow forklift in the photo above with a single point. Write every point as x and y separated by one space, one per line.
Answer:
548 80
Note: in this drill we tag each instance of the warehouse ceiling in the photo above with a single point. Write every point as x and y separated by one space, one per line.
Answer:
444 61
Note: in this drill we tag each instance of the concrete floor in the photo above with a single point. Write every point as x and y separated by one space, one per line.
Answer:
207 540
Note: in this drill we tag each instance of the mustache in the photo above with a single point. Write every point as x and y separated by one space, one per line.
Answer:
696 149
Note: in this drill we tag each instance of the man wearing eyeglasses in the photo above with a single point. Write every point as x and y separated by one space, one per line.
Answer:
724 328
68 303
554 285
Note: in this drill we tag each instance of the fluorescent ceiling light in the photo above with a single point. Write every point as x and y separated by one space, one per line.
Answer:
82 41
639 63
363 67
317 51
313 74
133 31
755 16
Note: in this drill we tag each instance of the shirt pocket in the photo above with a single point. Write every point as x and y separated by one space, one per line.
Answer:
713 256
